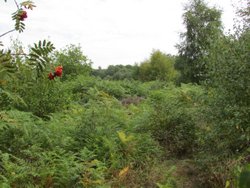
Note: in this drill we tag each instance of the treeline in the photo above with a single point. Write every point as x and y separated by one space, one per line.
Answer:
117 72
159 66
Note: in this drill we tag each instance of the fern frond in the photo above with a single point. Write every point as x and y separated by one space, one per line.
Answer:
39 55
6 67
19 25
15 98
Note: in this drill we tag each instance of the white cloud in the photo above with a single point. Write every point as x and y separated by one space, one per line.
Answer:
109 31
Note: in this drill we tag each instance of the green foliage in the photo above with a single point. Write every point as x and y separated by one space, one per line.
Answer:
7 68
133 88
112 89
117 72
78 131
230 107
203 28
244 13
226 137
82 87
172 119
44 97
39 56
160 66
8 100
30 89
170 180
244 178
144 71
56 168
101 121
85 88
73 60
19 25
35 153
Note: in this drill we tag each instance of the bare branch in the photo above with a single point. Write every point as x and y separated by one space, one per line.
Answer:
17 4
7 32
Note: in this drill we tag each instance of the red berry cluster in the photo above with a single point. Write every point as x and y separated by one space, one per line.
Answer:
23 15
58 72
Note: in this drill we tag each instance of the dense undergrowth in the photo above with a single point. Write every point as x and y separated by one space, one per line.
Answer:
129 126
84 131
90 138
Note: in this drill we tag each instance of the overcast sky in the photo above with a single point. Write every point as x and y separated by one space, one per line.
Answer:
109 31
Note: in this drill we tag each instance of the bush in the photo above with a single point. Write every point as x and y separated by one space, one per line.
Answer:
172 119
105 130
44 97
230 105
36 152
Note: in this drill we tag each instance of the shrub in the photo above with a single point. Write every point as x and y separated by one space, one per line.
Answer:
44 97
172 119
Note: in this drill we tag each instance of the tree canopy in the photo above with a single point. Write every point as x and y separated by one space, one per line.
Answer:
159 66
203 27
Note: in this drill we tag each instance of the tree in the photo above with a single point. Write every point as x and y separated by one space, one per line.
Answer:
160 66
203 27
228 72
244 13
73 60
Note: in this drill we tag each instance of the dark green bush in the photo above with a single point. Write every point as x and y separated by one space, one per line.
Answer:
45 97
230 105
172 119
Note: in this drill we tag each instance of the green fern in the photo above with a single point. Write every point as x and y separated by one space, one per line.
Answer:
39 56
10 98
6 67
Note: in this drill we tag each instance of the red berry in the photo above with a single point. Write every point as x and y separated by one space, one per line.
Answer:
51 76
58 71
23 15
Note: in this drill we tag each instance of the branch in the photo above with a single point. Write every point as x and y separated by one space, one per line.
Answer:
7 32
17 4
19 54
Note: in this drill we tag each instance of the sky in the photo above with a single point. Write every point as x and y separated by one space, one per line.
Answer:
110 32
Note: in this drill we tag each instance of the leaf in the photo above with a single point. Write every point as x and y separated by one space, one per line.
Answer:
124 139
28 4
39 55
15 98
124 172
6 67
19 25
227 184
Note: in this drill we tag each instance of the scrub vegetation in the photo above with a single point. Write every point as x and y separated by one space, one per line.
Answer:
167 122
